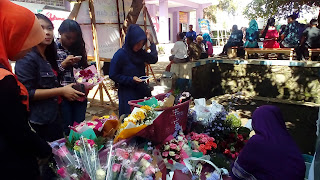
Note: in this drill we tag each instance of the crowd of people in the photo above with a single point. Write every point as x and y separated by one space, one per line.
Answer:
190 47
40 101
293 35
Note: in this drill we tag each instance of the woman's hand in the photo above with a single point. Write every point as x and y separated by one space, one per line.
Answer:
69 61
137 80
70 93
149 36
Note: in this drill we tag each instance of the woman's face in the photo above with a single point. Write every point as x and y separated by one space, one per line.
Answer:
68 38
290 20
48 30
138 46
199 40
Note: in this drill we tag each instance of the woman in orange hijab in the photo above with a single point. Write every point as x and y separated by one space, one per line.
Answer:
20 147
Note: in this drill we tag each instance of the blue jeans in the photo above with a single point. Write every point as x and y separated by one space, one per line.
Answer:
72 111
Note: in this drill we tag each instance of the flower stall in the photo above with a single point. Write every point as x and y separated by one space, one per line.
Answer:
164 138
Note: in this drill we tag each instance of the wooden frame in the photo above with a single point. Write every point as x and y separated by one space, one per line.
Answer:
96 57
313 51
288 51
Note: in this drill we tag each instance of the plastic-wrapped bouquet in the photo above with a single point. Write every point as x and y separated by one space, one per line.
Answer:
136 121
129 163
89 76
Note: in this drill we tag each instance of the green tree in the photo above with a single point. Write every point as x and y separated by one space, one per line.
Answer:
277 8
223 5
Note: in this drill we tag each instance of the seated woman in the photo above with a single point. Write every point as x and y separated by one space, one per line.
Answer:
194 50
204 54
234 40
179 52
209 44
271 153
270 35
252 35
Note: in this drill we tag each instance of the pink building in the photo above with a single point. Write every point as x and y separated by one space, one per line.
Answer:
173 16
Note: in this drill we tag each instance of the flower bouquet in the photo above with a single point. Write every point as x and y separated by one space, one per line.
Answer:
89 77
201 143
110 123
131 163
139 119
80 162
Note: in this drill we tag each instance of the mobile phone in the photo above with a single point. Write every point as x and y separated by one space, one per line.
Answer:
78 57
144 78
79 87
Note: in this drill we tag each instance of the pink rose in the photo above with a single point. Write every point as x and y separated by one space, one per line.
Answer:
147 157
122 153
180 144
165 154
204 139
177 157
62 172
116 167
211 139
91 142
129 172
173 146
136 156
150 170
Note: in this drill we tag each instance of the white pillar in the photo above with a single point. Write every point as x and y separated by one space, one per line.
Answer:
199 15
163 21
175 25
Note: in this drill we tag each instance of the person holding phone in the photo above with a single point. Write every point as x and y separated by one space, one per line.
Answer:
128 64
71 54
38 72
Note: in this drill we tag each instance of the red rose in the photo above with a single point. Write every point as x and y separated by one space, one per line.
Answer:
240 137
226 151
233 156
232 135
170 161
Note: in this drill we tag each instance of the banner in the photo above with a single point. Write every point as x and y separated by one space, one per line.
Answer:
204 26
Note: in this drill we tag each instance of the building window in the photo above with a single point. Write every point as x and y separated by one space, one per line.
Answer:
46 2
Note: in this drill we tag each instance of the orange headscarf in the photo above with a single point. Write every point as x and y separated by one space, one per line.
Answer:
19 30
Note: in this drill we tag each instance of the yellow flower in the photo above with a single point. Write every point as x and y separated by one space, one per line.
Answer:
140 115
77 148
148 108
105 117
124 125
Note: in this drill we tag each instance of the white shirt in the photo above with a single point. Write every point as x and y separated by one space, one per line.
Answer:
179 50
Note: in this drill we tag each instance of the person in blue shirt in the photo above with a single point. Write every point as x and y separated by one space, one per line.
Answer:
128 64
191 33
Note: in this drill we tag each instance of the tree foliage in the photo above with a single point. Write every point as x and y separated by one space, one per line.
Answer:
224 5
277 8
